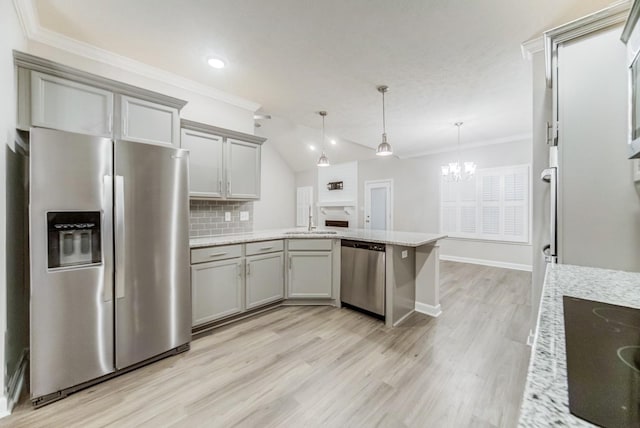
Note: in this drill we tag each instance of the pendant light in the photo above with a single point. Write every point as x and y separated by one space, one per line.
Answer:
455 171
384 148
323 160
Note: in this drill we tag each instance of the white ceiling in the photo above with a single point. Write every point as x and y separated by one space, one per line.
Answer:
444 61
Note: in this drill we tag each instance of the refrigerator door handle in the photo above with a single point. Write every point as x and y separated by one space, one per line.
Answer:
107 294
550 176
119 237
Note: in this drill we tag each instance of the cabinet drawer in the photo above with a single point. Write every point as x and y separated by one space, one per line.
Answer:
309 244
209 254
264 247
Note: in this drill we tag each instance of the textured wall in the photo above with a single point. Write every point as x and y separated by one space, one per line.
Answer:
206 218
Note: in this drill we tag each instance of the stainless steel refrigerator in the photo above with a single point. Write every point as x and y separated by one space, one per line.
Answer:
109 247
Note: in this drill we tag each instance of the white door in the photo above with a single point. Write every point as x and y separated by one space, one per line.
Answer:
378 205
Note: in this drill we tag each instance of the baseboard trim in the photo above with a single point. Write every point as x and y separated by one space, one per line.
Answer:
432 311
483 262
14 388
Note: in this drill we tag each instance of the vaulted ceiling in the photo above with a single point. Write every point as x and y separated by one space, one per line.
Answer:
444 61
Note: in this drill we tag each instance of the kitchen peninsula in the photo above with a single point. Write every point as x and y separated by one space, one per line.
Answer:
411 267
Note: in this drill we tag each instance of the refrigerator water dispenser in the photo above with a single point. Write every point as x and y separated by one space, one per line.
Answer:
73 238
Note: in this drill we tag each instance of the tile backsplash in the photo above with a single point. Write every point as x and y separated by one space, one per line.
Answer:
206 218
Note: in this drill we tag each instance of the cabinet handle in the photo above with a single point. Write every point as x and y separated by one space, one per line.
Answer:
220 186
248 268
238 270
218 254
228 188
266 248
289 262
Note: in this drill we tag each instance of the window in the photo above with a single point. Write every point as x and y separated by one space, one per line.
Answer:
494 205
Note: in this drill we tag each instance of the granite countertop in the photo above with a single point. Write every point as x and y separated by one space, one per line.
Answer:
546 400
408 239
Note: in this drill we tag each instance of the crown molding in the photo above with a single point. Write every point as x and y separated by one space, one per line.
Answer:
518 138
28 16
531 47
614 14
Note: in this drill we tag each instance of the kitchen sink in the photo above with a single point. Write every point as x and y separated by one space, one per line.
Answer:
312 232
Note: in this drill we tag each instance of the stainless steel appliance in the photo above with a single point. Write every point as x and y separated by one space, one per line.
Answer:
362 277
109 258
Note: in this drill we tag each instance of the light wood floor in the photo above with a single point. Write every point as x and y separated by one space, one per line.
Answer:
321 366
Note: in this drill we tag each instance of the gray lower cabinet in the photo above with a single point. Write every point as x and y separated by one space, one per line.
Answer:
66 105
217 290
264 279
310 274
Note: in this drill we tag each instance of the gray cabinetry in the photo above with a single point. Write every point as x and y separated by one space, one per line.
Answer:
52 95
243 170
205 163
224 164
217 290
310 272
148 122
264 279
66 105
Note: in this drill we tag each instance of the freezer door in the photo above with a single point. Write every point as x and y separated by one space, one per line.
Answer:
153 292
71 252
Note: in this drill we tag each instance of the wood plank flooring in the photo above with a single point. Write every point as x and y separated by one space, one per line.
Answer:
322 366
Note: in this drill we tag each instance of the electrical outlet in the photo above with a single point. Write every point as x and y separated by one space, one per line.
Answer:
227 216
405 254
244 215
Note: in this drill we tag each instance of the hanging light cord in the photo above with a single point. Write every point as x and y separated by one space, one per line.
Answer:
384 128
323 133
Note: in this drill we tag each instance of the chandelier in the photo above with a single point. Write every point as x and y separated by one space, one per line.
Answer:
456 171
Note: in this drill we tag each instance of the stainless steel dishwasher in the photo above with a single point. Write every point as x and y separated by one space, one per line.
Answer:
362 276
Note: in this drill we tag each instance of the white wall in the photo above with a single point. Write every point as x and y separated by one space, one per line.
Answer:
276 207
416 195
11 39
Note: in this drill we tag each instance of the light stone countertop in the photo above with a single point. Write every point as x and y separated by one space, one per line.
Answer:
546 399
407 239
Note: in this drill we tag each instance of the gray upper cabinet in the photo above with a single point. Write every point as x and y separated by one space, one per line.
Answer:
63 104
224 164
205 163
148 122
55 96
243 170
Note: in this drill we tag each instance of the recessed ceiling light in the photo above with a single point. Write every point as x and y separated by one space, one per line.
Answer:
216 62
334 142
312 147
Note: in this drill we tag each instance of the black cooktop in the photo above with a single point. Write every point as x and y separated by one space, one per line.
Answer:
603 362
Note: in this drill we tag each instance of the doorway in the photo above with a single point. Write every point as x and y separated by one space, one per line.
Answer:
378 204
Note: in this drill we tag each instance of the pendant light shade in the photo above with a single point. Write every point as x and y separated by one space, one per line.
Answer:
384 148
323 160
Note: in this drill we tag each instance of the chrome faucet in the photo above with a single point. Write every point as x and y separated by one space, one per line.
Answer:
310 228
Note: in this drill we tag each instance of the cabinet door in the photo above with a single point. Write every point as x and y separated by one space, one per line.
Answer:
243 170
216 290
264 279
205 163
146 122
70 106
310 274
